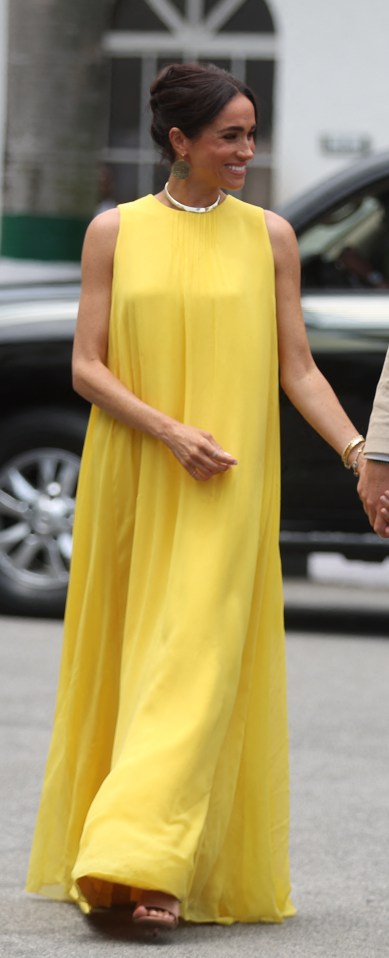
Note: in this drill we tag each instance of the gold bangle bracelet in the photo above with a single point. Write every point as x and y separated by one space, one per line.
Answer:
350 445
354 463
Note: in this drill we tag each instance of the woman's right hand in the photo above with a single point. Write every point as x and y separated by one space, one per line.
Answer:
198 452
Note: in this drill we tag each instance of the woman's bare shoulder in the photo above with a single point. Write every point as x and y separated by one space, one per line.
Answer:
104 227
282 237
278 228
100 240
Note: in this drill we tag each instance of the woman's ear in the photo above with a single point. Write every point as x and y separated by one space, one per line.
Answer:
178 141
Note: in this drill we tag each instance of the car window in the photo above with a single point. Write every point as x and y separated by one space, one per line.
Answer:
348 247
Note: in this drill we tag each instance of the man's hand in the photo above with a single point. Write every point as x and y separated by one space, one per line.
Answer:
384 512
374 484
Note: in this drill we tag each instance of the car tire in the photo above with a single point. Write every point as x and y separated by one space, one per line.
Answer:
40 453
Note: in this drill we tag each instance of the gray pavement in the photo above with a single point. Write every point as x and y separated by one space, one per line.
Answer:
339 720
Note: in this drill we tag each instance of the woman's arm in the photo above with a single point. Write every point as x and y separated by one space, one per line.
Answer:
300 378
195 449
91 376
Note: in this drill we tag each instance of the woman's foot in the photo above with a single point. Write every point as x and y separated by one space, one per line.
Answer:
156 909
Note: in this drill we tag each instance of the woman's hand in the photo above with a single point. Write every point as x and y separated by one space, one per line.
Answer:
383 529
198 452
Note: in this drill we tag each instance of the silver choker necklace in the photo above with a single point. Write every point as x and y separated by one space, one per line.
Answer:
190 209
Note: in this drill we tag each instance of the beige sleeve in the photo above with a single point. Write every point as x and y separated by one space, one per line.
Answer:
377 440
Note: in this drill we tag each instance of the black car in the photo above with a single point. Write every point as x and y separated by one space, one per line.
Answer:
343 231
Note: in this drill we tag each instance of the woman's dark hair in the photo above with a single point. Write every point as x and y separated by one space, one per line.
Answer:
190 96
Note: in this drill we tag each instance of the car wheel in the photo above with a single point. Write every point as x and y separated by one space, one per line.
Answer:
39 463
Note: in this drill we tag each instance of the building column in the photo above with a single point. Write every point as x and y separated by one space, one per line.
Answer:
56 116
3 92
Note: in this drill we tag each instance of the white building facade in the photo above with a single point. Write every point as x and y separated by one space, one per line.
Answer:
333 75
320 71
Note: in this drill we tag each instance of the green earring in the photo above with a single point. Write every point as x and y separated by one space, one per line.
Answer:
180 169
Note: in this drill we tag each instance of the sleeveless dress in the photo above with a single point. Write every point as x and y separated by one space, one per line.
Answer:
168 767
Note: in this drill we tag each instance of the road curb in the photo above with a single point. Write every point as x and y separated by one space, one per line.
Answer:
324 607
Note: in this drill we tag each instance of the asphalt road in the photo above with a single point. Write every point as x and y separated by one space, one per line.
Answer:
339 720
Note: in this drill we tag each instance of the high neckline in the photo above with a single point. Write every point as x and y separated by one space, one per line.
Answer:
172 209
185 207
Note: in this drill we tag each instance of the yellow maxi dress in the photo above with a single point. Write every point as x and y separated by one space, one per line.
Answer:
168 767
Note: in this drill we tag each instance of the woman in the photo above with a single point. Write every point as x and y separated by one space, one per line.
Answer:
167 780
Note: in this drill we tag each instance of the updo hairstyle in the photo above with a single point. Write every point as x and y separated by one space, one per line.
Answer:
190 96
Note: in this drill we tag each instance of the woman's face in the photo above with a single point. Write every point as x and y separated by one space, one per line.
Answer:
220 154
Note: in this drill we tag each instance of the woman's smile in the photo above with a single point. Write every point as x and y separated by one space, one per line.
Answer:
239 170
